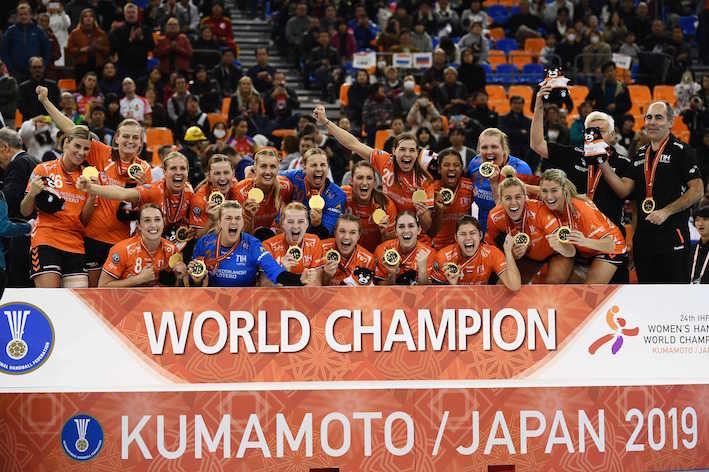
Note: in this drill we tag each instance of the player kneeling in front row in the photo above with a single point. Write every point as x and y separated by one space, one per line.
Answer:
471 262
146 259
228 257
404 260
346 262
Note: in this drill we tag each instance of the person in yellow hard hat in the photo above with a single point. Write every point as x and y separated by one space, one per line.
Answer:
194 144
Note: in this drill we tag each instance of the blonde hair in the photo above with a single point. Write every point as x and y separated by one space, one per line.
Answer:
599 115
559 176
78 132
311 152
172 155
511 182
297 206
504 140
276 187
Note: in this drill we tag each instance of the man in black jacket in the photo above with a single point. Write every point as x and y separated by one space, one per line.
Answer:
322 64
517 126
280 102
17 167
610 95
29 105
132 42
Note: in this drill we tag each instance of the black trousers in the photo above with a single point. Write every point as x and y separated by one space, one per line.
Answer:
664 268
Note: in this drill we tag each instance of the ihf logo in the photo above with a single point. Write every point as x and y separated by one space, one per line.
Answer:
82 437
26 338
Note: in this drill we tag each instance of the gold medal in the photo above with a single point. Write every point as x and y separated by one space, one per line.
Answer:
134 170
332 255
182 234
295 253
378 216
174 260
521 239
563 234
447 195
197 268
419 196
487 168
255 194
89 172
452 268
216 198
391 257
316 202
508 171
648 205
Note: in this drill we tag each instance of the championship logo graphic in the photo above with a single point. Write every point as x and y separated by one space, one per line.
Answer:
617 325
82 437
26 338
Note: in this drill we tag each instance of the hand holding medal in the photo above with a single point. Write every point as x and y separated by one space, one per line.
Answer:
316 204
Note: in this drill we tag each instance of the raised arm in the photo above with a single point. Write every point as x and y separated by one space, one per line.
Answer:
63 122
536 134
111 192
343 137
622 186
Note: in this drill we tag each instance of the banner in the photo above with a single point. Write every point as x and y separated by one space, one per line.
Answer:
401 60
422 60
364 60
622 60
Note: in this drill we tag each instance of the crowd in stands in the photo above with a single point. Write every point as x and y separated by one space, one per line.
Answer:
113 86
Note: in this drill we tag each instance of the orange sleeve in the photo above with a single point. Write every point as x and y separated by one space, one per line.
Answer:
493 231
198 210
436 270
286 189
379 160
148 171
116 261
99 154
317 252
498 262
149 194
546 220
379 270
594 224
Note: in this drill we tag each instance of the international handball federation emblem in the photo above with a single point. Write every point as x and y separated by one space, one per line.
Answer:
82 437
27 335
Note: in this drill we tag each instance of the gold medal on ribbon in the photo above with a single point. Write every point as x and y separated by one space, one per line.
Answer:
563 234
451 268
255 194
332 255
216 198
316 202
197 268
182 234
89 172
295 253
391 257
174 260
521 239
419 196
134 170
648 205
487 168
447 195
378 216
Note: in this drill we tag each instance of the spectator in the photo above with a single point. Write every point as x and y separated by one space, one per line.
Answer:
447 18
517 126
96 118
356 95
261 73
627 134
696 117
324 65
615 31
389 38
392 84
194 144
294 149
577 126
451 49
154 15
525 24
159 115
434 75
474 14
629 47
472 75
60 23
55 153
402 16
363 31
240 99
596 54
425 139
450 95
657 41
132 105
376 112
422 113
569 48
9 96
207 90
113 110
406 43
188 14
88 44
221 27
344 41
456 137
29 105
192 116
258 121
562 23
553 10
169 7
329 21
610 95
686 89
475 41
547 55
74 9
131 43
173 49
87 92
22 41
218 136
109 82
239 139
296 28
43 24
679 49
639 23
398 126
420 39
177 102
404 101
556 130
280 102
227 74
38 135
153 81
208 42
425 17
481 113
68 108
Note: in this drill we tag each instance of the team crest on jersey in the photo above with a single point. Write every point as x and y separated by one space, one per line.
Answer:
115 258
197 211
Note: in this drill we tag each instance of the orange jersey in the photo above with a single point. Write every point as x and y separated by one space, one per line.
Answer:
175 208
462 200
538 222
267 212
129 257
104 225
371 235
476 269
311 246
594 225
357 270
408 262
198 213
63 229
400 189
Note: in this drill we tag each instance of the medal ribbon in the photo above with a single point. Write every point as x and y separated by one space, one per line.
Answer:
524 222
592 180
694 264
212 264
167 205
650 175
151 254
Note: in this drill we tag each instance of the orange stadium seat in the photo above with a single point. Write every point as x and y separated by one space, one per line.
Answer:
381 137
18 119
216 117
664 93
67 84
640 98
639 122
578 94
497 33
508 3
344 88
226 103
495 92
495 57
679 126
624 75
283 132
534 45
501 107
683 135
524 91
444 122
156 137
520 58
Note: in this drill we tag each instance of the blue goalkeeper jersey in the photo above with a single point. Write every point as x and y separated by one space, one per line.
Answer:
242 266
333 195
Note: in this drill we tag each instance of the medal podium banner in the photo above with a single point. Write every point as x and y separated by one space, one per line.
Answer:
373 379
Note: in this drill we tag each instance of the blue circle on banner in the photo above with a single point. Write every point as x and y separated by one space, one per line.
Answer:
26 338
82 437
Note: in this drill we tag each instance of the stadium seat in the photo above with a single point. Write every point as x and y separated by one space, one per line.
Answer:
68 85
488 72
578 94
496 57
344 88
683 135
532 73
679 126
495 92
509 3
226 103
524 91
283 132
497 33
664 93
505 74
158 136
501 107
688 24
640 98
216 117
381 137
444 122
520 58
534 45
18 118
624 75
498 14
487 3
639 122
507 45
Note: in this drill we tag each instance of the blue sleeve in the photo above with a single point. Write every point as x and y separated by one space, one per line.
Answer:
8 229
473 166
332 212
523 168
265 261
199 248
290 174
